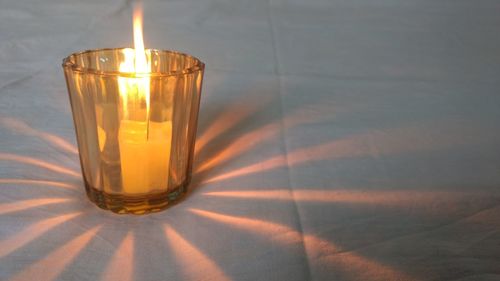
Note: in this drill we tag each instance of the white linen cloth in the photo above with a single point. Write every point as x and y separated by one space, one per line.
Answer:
338 140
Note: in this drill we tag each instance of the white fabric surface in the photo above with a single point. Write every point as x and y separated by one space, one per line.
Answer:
338 140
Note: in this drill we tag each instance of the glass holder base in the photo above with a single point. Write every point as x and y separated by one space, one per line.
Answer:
137 205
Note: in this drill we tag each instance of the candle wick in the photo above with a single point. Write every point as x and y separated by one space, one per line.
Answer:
147 127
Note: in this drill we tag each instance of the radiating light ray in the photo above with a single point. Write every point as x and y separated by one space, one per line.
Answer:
239 146
250 139
188 256
49 267
28 204
245 142
275 162
375 144
378 143
312 113
21 127
337 149
229 118
331 150
275 194
38 182
380 197
317 248
32 232
280 233
350 263
39 163
121 266
276 231
235 114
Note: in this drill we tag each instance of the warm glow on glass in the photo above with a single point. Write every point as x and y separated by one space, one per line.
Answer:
144 145
135 113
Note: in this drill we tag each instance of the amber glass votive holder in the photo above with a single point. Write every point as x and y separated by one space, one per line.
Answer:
135 131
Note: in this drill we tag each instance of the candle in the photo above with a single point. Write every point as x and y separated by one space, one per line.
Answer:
135 113
144 144
144 158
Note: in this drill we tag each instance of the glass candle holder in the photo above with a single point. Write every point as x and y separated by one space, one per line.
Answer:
135 131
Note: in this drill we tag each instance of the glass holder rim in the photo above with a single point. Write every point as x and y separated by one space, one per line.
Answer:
68 64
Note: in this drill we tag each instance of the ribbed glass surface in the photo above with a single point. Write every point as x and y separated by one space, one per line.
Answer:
136 152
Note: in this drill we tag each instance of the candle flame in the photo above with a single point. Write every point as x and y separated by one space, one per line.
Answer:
135 89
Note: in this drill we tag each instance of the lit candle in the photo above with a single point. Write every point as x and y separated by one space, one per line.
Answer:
144 144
